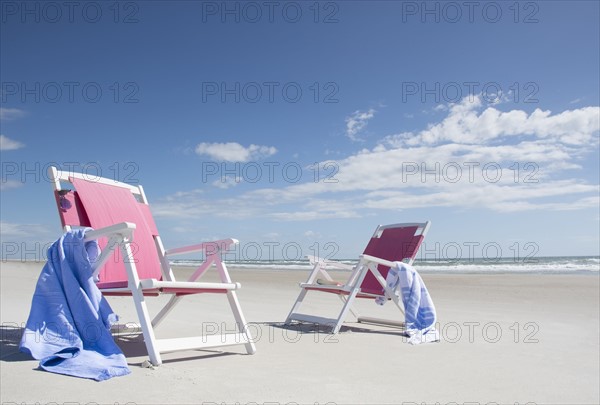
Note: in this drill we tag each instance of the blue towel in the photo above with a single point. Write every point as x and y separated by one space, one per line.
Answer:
419 311
68 328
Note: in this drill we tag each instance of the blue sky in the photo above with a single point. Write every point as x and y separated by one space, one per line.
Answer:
297 127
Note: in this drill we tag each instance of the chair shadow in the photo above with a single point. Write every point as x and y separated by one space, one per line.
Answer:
10 337
132 345
314 328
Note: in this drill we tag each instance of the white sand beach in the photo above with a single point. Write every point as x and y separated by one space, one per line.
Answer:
506 338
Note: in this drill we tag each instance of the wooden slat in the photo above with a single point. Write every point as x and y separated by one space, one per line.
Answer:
312 319
379 321
200 342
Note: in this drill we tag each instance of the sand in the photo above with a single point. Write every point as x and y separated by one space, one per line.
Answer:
506 338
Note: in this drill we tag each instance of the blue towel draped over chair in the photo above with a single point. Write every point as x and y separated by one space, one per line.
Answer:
68 328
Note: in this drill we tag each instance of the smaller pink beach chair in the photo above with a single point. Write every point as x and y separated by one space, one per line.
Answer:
134 262
390 243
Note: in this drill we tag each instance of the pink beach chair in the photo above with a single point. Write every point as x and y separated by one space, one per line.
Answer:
390 243
134 262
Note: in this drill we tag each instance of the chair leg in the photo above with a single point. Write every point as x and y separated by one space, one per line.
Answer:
347 307
234 304
296 305
398 304
146 324
241 321
351 309
140 305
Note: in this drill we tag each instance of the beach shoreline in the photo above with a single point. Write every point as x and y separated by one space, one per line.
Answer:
560 265
505 338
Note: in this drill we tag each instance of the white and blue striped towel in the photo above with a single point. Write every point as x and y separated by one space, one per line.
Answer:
420 316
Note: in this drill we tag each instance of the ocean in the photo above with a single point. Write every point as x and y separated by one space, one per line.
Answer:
545 265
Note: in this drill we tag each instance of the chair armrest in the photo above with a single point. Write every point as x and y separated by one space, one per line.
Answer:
368 258
342 266
124 229
117 233
209 247
315 259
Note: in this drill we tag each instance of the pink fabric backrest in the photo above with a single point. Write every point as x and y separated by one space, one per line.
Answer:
70 210
99 205
394 244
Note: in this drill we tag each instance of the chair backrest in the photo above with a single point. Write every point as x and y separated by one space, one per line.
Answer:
395 243
99 202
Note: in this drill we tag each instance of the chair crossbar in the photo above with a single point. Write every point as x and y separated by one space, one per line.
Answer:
379 321
313 319
152 283
202 342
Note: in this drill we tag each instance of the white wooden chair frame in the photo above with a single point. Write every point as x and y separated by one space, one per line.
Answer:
351 289
121 235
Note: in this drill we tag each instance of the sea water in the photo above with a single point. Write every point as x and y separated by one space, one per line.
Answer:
557 265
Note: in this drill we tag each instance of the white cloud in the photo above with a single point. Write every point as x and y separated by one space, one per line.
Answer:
466 125
356 122
226 182
20 232
9 144
475 157
8 114
7 184
312 234
503 198
234 152
197 206
312 215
